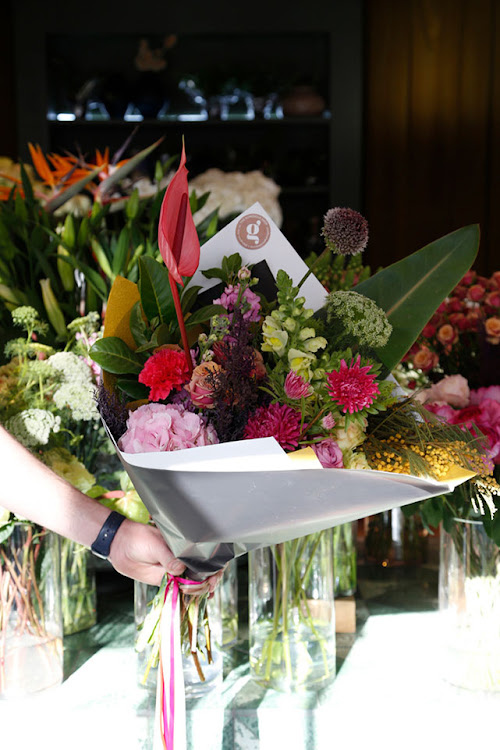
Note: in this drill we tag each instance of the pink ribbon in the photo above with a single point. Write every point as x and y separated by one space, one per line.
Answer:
167 712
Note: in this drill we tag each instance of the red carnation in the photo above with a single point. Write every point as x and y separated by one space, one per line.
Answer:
165 370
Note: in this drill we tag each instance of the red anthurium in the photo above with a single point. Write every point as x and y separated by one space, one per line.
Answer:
178 241
177 237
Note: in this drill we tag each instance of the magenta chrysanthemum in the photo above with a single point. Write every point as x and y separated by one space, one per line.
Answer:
345 231
296 387
353 387
278 421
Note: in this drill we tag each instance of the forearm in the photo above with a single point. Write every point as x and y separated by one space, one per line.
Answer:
31 490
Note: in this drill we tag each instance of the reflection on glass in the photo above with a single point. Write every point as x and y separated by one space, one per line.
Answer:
95 110
132 114
237 105
187 105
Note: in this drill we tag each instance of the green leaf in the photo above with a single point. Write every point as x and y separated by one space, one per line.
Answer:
102 259
204 314
138 327
154 288
412 289
6 530
92 277
27 187
114 356
121 251
189 297
133 388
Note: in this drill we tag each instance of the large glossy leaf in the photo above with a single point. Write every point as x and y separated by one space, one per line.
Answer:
204 314
114 356
412 289
154 288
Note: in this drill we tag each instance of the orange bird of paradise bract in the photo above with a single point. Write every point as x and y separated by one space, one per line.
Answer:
178 240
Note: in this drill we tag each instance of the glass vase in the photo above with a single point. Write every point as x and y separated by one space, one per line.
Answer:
344 559
229 604
469 604
31 645
78 587
201 672
292 614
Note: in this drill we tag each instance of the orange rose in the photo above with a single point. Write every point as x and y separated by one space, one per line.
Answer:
424 359
201 385
492 327
447 335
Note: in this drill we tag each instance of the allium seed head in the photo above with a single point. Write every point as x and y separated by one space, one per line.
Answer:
345 231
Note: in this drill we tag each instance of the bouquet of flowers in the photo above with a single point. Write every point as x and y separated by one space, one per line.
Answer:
227 399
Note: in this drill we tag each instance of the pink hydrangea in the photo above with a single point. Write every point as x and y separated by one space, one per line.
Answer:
296 387
165 427
329 454
278 421
249 302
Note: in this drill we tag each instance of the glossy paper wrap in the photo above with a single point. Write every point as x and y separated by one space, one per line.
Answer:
207 517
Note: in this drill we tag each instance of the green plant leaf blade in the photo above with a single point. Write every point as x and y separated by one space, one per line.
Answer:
412 289
154 288
114 356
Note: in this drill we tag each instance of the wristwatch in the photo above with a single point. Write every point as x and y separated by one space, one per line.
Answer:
101 546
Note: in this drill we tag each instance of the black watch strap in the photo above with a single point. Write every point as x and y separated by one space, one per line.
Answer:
100 547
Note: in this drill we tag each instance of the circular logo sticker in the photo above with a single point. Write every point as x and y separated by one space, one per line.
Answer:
253 231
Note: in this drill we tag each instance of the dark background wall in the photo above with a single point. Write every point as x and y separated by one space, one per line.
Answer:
428 155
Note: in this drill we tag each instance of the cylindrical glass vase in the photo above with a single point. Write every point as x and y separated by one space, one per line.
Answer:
292 614
200 673
78 587
229 604
469 604
31 630
344 559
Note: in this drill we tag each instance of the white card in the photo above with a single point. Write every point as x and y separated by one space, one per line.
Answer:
255 236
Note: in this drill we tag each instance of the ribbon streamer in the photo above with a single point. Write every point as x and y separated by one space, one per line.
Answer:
170 734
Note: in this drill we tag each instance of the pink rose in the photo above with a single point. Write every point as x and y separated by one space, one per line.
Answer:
329 454
452 390
424 359
476 292
201 385
165 427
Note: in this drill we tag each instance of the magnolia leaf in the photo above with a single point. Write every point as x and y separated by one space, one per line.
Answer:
64 195
132 388
204 314
138 327
412 289
188 298
114 356
154 288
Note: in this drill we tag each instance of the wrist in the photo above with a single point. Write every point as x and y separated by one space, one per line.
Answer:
101 546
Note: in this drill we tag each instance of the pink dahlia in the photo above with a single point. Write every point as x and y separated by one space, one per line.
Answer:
353 387
278 421
166 370
296 387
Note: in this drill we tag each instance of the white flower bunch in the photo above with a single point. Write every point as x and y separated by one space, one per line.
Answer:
233 192
33 427
76 391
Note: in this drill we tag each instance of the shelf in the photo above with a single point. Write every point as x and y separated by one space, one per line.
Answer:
258 121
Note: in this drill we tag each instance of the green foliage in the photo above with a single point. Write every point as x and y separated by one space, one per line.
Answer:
411 290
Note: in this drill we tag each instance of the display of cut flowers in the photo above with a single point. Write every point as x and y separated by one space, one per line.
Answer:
232 381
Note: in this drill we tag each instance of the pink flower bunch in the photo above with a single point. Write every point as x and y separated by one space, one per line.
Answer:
249 302
276 420
481 411
468 316
165 427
